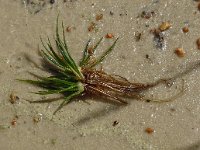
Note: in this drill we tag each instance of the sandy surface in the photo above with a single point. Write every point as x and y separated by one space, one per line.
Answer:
80 125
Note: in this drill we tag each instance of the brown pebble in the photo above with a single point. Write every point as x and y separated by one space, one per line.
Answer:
198 6
99 17
68 29
111 13
13 98
14 122
179 52
109 35
37 118
172 109
138 36
185 29
147 56
155 31
148 100
198 43
52 1
147 15
90 50
164 26
149 130
115 123
91 27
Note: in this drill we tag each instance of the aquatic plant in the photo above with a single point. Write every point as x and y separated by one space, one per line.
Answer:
72 79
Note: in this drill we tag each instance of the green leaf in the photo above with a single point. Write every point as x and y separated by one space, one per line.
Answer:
101 58
62 60
67 100
62 48
86 56
69 89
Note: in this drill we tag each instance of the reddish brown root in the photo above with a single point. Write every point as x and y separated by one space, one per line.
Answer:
116 87
98 91
179 94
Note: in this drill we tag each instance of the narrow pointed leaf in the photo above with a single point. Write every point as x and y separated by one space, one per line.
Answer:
71 88
85 54
100 59
67 100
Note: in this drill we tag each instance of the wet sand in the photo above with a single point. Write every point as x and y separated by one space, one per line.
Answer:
80 125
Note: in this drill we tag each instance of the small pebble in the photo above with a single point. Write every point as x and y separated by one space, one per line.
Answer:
109 35
99 17
198 6
147 15
14 122
90 50
13 98
111 13
179 52
185 29
149 130
37 118
92 26
164 26
148 100
115 123
138 36
68 29
198 43
52 1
